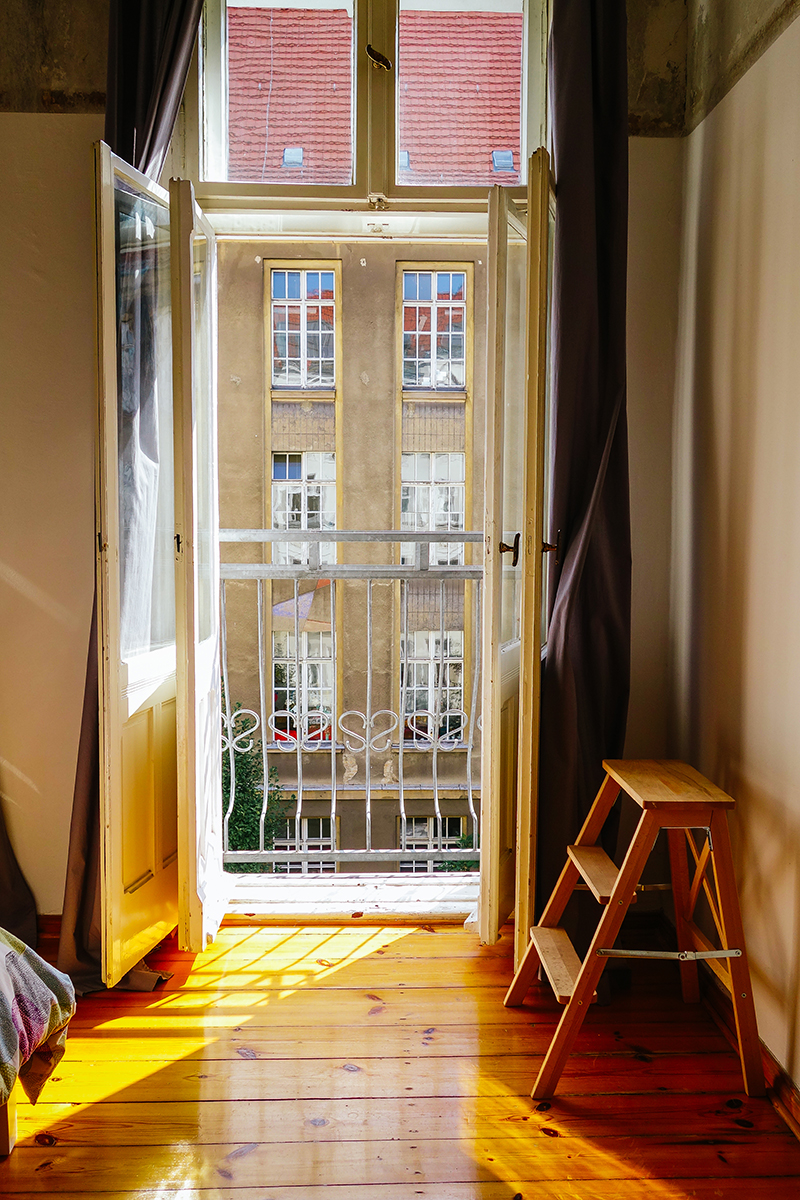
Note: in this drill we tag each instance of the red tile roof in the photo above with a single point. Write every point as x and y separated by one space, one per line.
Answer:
459 84
289 72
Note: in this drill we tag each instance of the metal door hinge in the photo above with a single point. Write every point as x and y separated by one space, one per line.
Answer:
549 547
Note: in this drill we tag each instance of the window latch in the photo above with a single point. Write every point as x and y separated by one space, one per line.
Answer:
512 549
379 61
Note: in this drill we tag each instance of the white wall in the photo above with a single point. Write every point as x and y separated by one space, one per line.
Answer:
736 567
654 226
47 418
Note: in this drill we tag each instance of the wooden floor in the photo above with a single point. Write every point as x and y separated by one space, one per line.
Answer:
379 1062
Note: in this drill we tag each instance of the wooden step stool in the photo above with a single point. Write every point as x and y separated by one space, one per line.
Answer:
672 796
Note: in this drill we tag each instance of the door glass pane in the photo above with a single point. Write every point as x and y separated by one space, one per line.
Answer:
290 92
204 415
459 91
514 433
144 414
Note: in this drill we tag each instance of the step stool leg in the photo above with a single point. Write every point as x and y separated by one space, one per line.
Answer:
523 978
614 912
679 869
741 990
590 832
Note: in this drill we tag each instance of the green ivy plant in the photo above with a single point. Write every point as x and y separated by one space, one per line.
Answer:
460 864
248 801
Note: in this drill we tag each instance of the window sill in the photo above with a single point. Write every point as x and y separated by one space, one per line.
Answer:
298 395
433 397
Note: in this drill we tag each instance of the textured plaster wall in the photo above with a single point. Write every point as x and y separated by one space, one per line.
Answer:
53 56
657 31
726 38
736 572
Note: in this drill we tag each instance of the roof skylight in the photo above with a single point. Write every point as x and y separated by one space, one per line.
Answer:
502 160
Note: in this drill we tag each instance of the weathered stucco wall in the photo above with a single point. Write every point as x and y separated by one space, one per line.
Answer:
53 56
685 55
657 31
725 39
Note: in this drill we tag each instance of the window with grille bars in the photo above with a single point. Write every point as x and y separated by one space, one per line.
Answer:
316 834
303 497
302 685
303 321
422 833
432 498
434 330
432 683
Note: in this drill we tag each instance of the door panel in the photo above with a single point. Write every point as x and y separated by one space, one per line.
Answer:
500 653
203 885
135 507
540 221
513 515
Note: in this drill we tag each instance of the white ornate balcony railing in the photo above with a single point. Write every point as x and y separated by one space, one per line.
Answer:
375 752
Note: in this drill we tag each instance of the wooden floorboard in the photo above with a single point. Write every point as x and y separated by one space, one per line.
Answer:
355 1062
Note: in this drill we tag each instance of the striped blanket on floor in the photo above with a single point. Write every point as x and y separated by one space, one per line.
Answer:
36 1004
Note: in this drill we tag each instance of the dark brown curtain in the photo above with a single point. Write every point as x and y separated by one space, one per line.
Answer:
17 906
586 673
150 45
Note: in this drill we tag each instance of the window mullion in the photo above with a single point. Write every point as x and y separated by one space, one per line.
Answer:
303 333
382 36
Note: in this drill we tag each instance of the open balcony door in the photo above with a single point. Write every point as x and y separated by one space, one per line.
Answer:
158 568
203 886
513 517
136 568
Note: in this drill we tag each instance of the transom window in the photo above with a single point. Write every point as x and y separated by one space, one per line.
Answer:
315 835
433 498
421 833
434 330
432 681
278 79
303 497
303 329
302 685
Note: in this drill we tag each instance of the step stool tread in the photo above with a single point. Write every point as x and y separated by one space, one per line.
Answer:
559 959
597 869
661 782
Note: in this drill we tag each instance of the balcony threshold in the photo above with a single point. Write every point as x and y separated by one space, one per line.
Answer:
353 898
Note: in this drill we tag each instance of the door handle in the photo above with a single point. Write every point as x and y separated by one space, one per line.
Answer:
513 549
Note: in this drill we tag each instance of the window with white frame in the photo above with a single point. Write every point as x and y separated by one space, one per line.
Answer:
432 684
302 685
434 330
303 497
303 329
433 499
316 835
469 66
422 833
